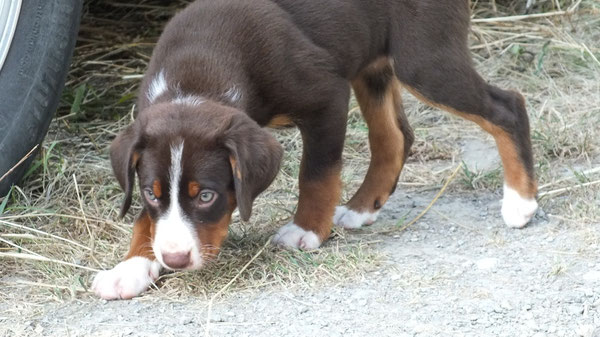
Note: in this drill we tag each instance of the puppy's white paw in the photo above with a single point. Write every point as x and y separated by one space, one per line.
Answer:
516 210
293 236
127 279
347 218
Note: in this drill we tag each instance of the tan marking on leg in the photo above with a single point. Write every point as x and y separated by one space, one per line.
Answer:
280 121
156 189
143 235
193 189
212 235
317 202
515 174
134 159
386 142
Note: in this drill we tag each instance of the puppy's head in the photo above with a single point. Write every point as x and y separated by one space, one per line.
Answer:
195 163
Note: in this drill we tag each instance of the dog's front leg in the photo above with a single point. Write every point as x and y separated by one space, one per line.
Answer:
319 181
137 272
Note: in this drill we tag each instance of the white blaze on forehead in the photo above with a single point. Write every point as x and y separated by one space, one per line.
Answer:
158 86
189 100
175 172
174 232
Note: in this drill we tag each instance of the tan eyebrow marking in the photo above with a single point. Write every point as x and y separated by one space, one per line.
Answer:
193 189
157 189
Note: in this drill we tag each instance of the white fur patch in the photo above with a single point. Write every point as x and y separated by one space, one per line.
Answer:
347 218
191 100
158 86
174 232
126 280
516 210
233 94
292 236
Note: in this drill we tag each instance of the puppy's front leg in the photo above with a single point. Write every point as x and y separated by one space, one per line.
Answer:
139 269
319 182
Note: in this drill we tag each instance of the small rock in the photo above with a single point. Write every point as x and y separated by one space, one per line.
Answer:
532 324
186 320
585 331
38 329
217 318
592 276
489 308
421 328
487 263
527 315
575 309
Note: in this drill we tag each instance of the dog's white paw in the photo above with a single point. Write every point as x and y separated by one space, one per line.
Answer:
347 218
516 210
127 279
292 236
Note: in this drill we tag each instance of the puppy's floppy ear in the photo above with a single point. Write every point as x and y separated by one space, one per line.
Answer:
255 156
124 155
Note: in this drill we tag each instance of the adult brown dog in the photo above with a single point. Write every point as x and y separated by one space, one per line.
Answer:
224 69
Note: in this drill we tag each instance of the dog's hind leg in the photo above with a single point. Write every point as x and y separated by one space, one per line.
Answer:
437 69
378 93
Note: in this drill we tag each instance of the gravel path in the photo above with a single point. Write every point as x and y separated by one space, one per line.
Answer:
457 272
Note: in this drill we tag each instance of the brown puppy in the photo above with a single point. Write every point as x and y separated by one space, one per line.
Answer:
224 69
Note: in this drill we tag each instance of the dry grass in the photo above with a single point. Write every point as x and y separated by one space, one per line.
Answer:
66 211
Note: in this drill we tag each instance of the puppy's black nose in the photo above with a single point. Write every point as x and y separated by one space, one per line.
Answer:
178 260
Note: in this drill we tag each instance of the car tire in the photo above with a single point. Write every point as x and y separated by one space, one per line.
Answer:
32 77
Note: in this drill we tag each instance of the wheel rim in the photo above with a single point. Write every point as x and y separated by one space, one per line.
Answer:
9 15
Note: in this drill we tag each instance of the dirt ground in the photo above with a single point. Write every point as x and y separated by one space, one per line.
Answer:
457 271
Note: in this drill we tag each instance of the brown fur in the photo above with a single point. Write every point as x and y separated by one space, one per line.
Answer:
280 121
193 189
156 189
292 62
317 202
212 235
515 173
141 242
384 116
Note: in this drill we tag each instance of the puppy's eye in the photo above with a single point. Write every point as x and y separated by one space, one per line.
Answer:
152 199
207 197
